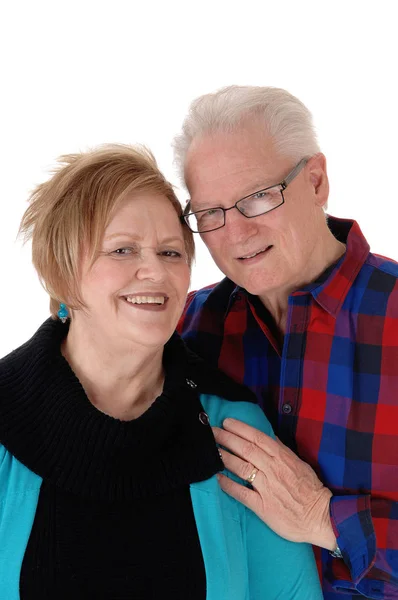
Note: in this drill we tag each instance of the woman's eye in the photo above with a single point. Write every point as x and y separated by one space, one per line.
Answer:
171 254
122 251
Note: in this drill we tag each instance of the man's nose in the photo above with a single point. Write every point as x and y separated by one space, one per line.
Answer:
238 226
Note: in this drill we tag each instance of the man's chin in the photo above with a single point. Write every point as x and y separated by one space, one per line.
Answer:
256 287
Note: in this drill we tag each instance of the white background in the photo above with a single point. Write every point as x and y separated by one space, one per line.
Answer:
79 73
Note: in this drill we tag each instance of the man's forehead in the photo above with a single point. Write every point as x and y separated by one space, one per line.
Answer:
230 176
224 153
232 145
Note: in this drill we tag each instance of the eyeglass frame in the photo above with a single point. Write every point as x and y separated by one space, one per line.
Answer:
283 185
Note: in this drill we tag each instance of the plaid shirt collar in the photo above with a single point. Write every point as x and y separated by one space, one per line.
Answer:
332 287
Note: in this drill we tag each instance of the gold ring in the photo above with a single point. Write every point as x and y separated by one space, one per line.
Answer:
252 476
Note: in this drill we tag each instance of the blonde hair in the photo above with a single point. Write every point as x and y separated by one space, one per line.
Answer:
71 210
285 118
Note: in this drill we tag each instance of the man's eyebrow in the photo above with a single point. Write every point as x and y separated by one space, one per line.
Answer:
246 191
255 187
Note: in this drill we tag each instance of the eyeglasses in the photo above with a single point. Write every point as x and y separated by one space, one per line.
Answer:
254 205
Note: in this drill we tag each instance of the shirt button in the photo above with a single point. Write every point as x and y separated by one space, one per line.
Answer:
287 409
204 418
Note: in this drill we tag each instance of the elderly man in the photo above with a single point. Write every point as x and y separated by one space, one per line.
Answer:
307 318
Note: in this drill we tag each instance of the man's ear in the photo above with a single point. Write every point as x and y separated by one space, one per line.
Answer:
318 178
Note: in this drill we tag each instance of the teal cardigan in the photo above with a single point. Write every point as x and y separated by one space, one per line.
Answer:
244 559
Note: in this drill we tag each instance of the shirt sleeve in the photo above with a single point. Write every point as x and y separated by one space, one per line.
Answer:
366 530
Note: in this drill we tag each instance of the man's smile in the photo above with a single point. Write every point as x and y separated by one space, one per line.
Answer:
255 253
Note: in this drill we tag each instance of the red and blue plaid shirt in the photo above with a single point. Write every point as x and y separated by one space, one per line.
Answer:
330 391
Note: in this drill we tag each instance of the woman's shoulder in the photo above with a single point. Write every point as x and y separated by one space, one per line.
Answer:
34 352
15 477
14 368
219 408
11 365
29 347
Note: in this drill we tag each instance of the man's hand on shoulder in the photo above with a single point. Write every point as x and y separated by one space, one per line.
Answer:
285 492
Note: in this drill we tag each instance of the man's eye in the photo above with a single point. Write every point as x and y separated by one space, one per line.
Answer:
206 214
260 195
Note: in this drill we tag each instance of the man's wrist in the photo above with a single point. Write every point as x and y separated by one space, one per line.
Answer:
328 540
324 535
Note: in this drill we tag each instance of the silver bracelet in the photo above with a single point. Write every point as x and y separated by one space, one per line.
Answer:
336 553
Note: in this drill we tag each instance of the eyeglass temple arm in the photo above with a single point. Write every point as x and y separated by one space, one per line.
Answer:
294 173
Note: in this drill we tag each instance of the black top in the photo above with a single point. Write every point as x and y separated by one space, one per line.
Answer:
114 518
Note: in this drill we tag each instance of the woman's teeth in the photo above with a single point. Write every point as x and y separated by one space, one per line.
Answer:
145 299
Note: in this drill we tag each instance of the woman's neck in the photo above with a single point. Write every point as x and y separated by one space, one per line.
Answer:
119 381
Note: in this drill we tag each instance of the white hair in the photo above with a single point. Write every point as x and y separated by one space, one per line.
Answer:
286 119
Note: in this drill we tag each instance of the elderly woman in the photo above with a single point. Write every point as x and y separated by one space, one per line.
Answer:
108 464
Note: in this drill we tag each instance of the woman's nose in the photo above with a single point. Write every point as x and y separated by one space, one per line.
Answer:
151 267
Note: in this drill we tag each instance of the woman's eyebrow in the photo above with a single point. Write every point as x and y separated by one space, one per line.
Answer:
174 238
123 234
139 238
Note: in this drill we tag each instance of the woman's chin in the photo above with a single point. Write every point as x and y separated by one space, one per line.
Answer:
151 336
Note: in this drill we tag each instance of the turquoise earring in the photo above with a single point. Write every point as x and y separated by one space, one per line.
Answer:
63 312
